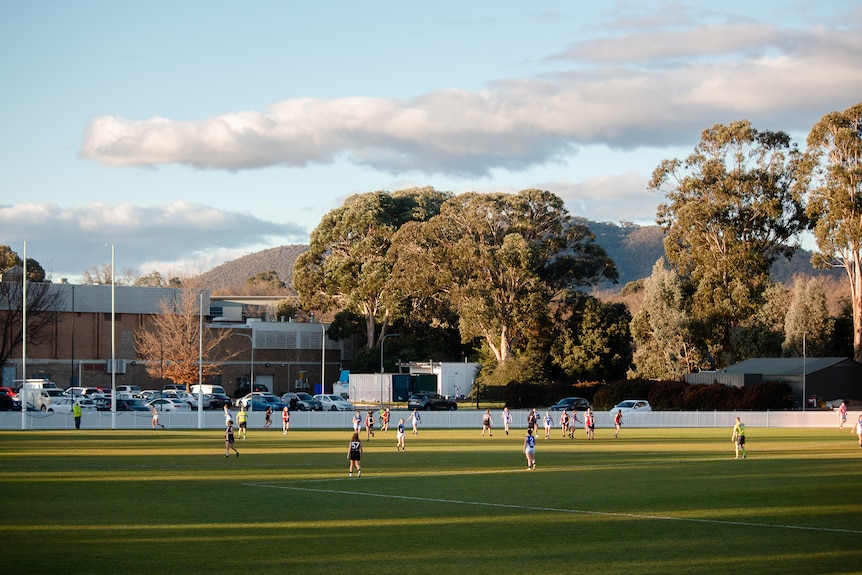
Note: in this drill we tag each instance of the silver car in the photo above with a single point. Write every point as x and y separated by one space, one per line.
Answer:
332 402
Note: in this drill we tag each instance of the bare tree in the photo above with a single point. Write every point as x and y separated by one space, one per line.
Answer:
171 343
42 305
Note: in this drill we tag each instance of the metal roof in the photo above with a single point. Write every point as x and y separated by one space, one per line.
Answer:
783 365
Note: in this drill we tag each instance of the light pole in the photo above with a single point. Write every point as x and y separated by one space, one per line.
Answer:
113 347
804 397
322 358
251 384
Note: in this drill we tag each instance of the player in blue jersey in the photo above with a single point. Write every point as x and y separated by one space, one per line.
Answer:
530 449
400 435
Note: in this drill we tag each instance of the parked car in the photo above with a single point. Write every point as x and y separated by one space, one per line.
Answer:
150 394
8 391
88 392
304 401
192 400
64 405
7 403
259 401
630 407
570 403
332 402
429 401
244 390
170 404
128 390
217 400
131 404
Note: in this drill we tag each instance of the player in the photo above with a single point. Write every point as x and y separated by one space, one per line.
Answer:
242 420
549 423
399 436
369 424
268 421
738 437
618 421
354 454
285 420
229 439
507 419
530 449
486 423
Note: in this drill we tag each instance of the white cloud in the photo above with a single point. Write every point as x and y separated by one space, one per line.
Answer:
179 236
648 89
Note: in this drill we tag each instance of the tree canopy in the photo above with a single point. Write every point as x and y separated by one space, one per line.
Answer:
731 209
833 174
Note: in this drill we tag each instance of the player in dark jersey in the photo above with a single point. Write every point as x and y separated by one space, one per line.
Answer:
354 454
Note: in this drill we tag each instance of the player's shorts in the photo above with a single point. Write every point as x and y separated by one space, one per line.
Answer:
740 440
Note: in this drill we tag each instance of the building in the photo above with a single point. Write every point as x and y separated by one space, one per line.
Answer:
75 347
827 378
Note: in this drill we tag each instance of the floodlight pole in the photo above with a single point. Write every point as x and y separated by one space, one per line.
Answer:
804 353
113 347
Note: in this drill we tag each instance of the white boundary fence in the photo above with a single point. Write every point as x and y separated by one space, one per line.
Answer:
461 419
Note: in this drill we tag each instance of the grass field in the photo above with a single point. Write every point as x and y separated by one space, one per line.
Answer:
654 501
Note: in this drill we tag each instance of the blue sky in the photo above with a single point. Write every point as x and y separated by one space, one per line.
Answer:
190 133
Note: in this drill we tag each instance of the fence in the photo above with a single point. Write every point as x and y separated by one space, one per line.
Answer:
461 419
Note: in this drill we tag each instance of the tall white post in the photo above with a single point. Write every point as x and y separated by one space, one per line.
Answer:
201 366
21 394
113 346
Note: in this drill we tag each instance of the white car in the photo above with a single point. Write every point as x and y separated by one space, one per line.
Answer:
332 402
170 404
64 405
630 407
192 400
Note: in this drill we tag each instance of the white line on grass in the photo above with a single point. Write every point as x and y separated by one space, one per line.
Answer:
555 509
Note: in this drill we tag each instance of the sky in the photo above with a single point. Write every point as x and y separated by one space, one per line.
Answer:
187 134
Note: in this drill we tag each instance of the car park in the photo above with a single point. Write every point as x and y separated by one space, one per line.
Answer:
430 401
259 401
218 400
131 404
65 404
332 402
128 390
570 403
192 400
304 402
244 389
88 392
169 404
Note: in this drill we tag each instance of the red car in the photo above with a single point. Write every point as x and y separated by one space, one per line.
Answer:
8 391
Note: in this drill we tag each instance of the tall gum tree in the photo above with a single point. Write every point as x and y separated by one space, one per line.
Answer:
833 176
498 261
731 210
346 266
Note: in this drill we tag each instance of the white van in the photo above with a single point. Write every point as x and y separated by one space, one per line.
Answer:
208 389
38 392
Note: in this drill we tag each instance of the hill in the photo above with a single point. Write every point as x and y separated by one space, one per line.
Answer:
633 248
230 277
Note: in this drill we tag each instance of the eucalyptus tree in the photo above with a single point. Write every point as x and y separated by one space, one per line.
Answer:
833 175
807 325
665 346
594 342
498 261
346 266
731 210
